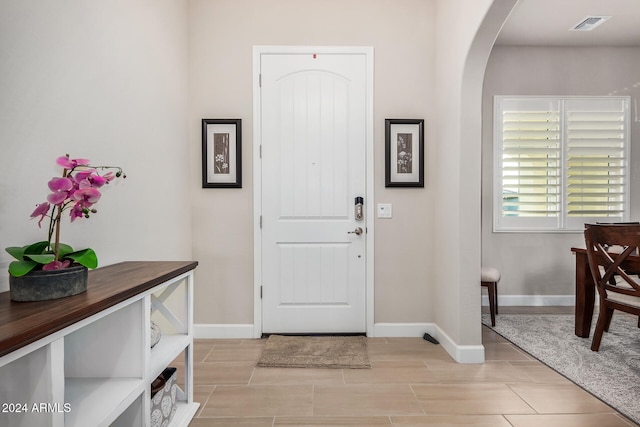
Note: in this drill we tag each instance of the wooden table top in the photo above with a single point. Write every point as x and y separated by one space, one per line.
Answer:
22 323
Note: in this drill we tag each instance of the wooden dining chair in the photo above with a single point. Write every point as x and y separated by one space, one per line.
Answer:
612 251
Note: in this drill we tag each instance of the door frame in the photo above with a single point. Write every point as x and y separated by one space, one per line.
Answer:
258 51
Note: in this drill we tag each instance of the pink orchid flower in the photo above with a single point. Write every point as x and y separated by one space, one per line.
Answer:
90 180
76 211
87 196
109 176
84 174
56 265
69 164
60 188
41 210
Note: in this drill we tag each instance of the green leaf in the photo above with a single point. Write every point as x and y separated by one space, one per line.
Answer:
20 268
16 251
86 257
41 258
36 248
19 252
64 250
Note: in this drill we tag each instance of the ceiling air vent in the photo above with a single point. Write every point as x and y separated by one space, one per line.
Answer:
589 23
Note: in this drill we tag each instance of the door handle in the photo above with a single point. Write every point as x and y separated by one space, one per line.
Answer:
357 231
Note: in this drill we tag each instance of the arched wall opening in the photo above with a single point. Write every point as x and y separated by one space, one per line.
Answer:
458 227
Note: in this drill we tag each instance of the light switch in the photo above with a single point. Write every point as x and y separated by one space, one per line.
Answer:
385 210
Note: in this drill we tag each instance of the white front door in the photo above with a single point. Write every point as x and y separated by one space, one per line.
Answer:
313 135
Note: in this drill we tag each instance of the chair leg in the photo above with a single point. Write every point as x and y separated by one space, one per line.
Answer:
494 291
604 316
607 320
491 290
495 285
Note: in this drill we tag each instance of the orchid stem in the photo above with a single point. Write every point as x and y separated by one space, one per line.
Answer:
57 219
57 242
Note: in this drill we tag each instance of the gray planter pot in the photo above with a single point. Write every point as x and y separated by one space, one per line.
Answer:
46 285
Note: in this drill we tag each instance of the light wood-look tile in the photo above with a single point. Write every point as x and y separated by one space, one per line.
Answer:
451 421
540 373
222 373
490 371
559 399
226 353
201 395
297 376
232 422
332 421
391 372
411 383
567 420
259 401
470 398
365 400
504 351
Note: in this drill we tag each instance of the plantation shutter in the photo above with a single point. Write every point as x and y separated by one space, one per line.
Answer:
560 162
596 160
529 162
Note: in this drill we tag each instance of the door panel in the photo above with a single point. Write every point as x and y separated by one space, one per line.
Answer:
313 166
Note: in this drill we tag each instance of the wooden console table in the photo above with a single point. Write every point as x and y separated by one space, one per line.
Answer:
86 360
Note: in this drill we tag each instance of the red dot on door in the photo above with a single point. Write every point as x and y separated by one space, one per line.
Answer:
315 56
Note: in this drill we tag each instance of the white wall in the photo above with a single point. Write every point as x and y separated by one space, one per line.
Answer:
428 256
466 32
105 81
538 267
108 81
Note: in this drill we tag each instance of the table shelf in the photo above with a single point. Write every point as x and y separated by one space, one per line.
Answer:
86 360
99 401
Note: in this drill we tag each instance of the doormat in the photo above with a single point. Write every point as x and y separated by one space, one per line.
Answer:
315 352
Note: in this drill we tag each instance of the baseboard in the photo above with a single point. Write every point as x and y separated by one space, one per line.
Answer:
214 331
460 353
403 329
532 300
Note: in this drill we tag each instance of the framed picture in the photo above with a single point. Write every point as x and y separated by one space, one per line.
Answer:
404 153
221 153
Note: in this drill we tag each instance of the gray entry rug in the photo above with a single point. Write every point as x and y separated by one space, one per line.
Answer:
315 352
611 374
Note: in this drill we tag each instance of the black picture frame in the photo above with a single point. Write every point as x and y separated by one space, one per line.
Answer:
221 153
404 152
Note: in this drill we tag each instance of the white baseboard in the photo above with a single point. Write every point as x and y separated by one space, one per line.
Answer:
244 331
460 353
532 300
403 329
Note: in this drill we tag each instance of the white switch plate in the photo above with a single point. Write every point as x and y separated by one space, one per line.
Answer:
385 210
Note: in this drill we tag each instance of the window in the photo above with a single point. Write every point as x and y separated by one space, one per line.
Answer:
560 162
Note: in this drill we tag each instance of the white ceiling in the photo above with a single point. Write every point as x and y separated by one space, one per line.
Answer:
547 23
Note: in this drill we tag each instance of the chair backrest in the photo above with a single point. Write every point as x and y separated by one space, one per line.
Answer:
612 250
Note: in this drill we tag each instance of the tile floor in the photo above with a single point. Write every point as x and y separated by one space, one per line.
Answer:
412 383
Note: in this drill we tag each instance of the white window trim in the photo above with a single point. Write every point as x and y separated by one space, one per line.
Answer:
562 224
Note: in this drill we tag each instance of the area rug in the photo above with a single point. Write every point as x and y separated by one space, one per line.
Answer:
315 352
611 374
